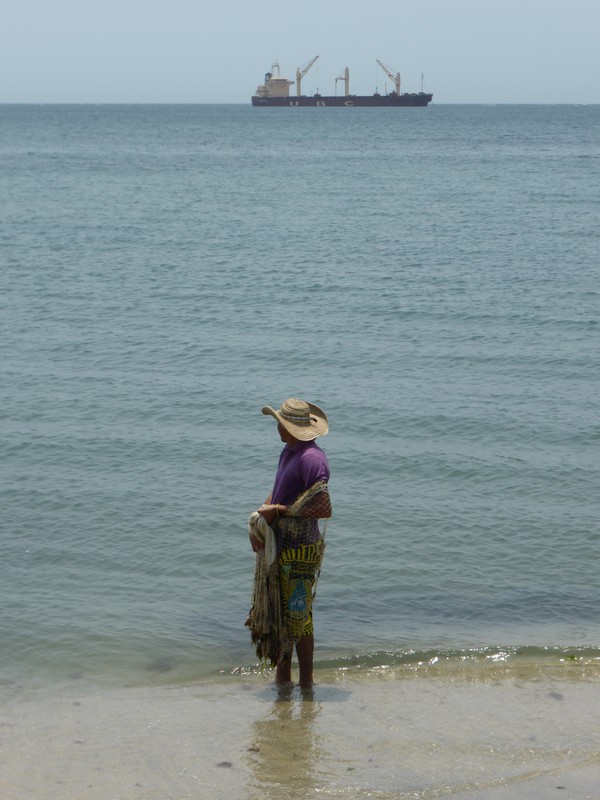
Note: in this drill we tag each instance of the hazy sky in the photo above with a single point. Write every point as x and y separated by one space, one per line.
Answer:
194 51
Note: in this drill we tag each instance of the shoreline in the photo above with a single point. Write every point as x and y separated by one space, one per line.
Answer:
376 733
189 667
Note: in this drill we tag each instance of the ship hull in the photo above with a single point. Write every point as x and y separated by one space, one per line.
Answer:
360 101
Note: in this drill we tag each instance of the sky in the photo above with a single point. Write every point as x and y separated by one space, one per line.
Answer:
195 51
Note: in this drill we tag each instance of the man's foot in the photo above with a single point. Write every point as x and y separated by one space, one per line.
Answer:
284 684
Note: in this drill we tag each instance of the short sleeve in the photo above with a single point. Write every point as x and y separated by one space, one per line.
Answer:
314 467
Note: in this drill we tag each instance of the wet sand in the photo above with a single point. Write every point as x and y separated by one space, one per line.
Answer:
367 734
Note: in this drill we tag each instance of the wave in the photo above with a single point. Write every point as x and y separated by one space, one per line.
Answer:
486 663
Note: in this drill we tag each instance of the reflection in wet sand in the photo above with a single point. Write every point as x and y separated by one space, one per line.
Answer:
286 749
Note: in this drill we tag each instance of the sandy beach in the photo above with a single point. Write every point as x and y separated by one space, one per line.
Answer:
377 734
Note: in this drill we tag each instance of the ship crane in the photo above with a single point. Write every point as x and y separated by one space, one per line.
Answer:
301 72
345 76
389 73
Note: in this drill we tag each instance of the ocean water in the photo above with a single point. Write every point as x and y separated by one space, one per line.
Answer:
428 276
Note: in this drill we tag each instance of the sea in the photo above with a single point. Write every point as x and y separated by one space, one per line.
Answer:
429 277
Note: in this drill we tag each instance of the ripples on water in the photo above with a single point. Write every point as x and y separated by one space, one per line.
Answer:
429 278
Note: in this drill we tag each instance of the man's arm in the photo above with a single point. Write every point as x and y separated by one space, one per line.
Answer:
318 508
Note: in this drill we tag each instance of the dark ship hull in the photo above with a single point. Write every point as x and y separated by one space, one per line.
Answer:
392 100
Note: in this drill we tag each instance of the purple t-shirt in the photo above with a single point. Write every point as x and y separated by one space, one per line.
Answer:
299 467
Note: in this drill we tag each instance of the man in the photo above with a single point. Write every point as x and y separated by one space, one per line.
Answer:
300 497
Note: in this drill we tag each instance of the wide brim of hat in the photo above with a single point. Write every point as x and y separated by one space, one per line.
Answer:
304 433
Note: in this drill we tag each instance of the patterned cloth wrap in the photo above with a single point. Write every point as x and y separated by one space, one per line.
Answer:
298 573
281 612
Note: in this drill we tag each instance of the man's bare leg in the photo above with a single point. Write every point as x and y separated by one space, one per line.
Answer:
305 649
283 672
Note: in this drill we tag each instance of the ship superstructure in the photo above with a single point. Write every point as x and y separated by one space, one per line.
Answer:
274 86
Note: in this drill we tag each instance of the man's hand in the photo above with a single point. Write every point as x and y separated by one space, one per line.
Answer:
271 512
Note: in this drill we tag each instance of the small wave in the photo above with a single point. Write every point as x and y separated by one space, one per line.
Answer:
470 664
578 662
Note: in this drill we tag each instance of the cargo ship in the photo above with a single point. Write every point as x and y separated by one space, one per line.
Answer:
275 92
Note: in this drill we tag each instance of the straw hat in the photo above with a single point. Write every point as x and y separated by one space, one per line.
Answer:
303 420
